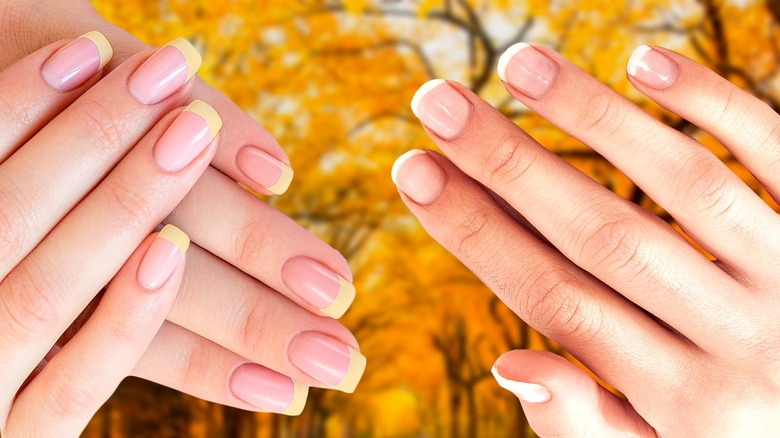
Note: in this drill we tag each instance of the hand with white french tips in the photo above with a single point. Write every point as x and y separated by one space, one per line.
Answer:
694 345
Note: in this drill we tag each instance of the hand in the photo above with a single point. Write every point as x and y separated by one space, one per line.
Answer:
692 344
69 222
230 308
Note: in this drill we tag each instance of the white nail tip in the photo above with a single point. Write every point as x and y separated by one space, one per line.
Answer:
528 392
636 59
422 91
503 61
401 160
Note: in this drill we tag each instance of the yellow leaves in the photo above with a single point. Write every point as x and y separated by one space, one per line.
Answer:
356 6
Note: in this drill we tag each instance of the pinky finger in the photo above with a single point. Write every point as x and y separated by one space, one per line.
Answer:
561 400
73 385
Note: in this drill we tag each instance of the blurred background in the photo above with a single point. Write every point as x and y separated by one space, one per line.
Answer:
332 80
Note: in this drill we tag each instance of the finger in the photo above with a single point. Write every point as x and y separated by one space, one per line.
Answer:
41 85
612 336
266 244
709 201
258 323
745 125
73 385
79 147
186 362
622 244
42 296
561 400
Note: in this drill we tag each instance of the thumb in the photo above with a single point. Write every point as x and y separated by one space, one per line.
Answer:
561 400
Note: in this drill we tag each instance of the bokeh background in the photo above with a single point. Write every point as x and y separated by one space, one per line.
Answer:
332 80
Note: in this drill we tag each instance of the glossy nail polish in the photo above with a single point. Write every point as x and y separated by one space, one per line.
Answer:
268 390
263 169
528 70
442 109
79 60
527 392
419 176
327 360
163 256
318 286
190 133
167 70
652 68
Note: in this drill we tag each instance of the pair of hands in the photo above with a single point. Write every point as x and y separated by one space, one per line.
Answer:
88 168
694 345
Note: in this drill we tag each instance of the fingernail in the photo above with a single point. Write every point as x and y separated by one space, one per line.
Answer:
528 70
163 256
77 61
265 170
164 72
442 109
652 68
318 286
190 133
327 360
527 392
268 390
419 176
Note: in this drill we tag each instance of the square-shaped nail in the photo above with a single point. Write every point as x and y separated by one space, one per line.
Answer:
265 170
528 70
318 285
187 136
442 109
268 390
327 360
79 60
167 70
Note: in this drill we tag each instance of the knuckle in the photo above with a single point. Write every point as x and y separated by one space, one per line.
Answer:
720 106
709 191
251 241
604 116
469 232
99 126
614 244
195 372
28 304
769 149
254 323
15 109
73 397
555 305
510 160
125 204
15 225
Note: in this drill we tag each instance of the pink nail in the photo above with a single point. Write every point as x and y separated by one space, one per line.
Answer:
187 136
327 360
652 68
318 286
528 70
268 390
77 61
164 72
163 256
419 176
442 109
265 170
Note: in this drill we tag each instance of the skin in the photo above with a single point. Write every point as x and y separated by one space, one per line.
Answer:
692 344
203 339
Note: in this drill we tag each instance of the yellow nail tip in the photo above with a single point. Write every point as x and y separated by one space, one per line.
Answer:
191 55
357 366
344 299
175 236
102 44
208 113
284 181
300 394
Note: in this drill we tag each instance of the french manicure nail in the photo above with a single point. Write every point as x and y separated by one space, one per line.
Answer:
528 70
167 70
327 360
190 133
265 170
318 286
419 176
268 390
652 68
442 109
163 256
77 61
527 392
